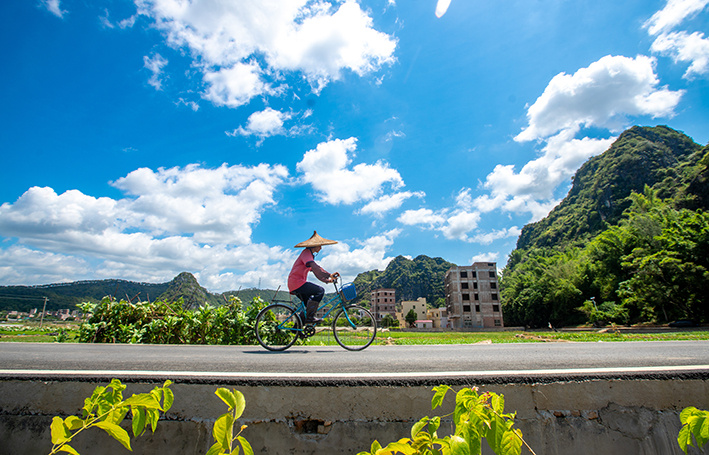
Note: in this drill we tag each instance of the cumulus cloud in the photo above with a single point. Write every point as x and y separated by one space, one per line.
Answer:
681 46
267 123
170 220
242 46
326 168
370 255
21 265
601 95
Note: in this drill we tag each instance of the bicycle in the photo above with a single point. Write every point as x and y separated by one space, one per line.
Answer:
280 325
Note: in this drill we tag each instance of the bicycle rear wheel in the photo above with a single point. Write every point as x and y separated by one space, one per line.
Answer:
277 327
354 328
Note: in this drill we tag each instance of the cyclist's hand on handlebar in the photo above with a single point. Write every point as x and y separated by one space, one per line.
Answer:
334 277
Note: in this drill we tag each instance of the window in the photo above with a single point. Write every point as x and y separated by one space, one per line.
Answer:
475 274
477 308
464 274
466 308
494 296
475 285
466 296
496 308
498 323
477 297
493 285
492 274
464 285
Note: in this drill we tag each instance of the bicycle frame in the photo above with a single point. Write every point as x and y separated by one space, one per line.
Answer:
300 309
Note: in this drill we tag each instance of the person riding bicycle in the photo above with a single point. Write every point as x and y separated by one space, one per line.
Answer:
310 293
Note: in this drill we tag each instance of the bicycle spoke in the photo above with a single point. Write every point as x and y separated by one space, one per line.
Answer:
354 328
277 327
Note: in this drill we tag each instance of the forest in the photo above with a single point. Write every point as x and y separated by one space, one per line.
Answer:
628 245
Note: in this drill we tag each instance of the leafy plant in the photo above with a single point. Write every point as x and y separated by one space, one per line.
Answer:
223 430
694 423
106 409
476 417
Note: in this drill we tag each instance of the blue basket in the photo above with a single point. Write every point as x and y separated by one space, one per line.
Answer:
349 292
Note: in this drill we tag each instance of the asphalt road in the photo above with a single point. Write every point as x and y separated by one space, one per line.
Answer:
494 362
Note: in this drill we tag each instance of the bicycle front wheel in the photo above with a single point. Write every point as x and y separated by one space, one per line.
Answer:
277 327
354 328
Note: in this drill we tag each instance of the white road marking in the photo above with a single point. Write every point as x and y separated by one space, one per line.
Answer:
355 375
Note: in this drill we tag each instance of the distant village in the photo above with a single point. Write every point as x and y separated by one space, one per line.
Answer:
36 315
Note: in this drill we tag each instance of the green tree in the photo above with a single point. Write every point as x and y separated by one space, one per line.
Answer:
411 318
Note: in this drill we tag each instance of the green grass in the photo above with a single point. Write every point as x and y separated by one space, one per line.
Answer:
31 332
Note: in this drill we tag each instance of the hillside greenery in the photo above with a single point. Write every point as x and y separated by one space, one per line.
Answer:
629 244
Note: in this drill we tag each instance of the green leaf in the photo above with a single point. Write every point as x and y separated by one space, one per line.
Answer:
227 397
684 439
69 449
511 443
144 399
458 446
73 423
440 394
245 445
152 417
223 431
395 447
60 433
418 426
687 413
375 446
240 404
216 449
169 397
116 432
138 423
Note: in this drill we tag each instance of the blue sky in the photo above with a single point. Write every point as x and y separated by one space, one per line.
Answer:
141 139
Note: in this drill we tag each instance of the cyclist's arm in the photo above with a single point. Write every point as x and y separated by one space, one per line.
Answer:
320 273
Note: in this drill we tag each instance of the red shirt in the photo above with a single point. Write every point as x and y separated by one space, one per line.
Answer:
299 273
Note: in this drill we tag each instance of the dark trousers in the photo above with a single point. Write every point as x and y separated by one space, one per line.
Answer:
309 291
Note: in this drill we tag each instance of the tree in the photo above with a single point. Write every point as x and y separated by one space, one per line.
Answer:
411 318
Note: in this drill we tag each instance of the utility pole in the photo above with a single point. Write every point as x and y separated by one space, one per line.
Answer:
41 320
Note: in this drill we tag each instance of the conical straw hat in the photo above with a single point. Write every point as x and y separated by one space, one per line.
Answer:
315 240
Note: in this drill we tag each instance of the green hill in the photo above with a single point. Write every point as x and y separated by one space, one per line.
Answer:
632 233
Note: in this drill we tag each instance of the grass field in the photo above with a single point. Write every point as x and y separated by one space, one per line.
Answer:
55 332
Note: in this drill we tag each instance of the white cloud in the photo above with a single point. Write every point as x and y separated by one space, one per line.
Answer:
683 47
442 7
155 64
489 237
20 265
673 14
601 95
170 220
485 257
266 123
54 7
320 40
389 202
371 255
326 169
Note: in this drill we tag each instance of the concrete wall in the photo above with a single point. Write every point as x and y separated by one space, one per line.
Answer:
557 416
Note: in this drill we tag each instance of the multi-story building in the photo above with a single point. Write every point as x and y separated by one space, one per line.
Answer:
383 302
418 305
439 316
473 296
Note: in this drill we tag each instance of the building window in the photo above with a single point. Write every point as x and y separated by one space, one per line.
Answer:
466 296
493 285
496 308
477 308
492 274
464 285
475 285
477 297
466 308
475 274
494 296
464 274
498 323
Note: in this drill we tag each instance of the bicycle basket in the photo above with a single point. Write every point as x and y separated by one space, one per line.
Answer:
349 292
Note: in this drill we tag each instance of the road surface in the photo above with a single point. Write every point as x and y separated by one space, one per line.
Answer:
491 362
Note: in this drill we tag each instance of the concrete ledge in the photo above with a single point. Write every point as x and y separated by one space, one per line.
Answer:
609 414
